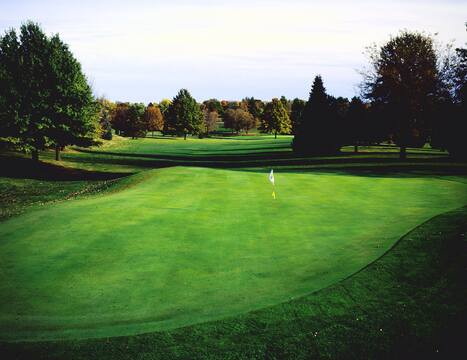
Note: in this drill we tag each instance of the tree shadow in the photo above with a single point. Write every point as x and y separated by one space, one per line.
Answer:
22 168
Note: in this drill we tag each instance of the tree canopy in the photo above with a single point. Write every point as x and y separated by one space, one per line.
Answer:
403 81
276 118
153 119
296 113
45 99
238 120
184 115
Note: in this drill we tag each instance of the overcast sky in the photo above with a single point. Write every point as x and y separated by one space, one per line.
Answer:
148 50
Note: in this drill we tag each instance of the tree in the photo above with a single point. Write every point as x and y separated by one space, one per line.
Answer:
255 107
449 120
106 129
276 119
229 119
45 98
210 120
74 111
356 122
286 103
238 120
246 120
214 105
339 107
184 114
153 118
225 105
403 81
136 124
129 120
296 113
317 133
164 105
106 111
119 118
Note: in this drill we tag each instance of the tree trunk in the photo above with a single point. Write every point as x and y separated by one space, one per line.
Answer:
356 148
35 155
403 153
275 135
57 153
184 136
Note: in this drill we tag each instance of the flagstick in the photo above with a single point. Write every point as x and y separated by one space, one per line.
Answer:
271 179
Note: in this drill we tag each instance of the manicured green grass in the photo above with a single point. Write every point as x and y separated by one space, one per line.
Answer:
163 251
409 304
186 245
193 146
125 155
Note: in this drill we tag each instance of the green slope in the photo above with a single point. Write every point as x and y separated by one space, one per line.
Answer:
186 245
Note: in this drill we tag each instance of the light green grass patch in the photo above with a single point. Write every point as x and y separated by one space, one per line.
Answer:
186 245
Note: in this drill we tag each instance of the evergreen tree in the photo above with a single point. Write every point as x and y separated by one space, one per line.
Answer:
184 114
317 132
276 119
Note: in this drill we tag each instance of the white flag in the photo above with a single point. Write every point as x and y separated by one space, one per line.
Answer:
271 176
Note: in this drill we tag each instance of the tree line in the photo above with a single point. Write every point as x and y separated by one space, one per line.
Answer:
183 115
412 94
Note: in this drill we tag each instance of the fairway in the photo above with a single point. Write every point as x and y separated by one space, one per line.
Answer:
178 246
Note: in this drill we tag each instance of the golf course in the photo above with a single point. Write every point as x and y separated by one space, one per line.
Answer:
175 240
200 180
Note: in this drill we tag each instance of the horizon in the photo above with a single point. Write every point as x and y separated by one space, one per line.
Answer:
146 51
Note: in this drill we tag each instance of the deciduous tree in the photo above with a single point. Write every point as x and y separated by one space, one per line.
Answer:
211 119
238 120
403 80
106 111
153 118
184 114
45 99
276 119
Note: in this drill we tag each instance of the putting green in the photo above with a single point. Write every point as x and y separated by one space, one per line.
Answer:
184 245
